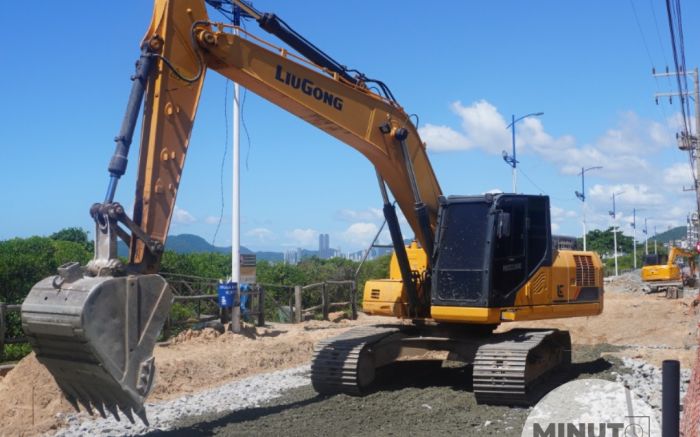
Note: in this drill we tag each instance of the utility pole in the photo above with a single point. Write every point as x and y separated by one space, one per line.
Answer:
582 197
510 159
634 236
646 237
235 325
613 214
655 251
686 140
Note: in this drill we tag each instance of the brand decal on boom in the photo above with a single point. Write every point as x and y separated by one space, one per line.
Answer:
308 87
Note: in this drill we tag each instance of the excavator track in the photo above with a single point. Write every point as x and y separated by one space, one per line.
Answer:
344 364
514 369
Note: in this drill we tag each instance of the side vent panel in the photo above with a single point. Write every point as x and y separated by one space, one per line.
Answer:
585 272
538 284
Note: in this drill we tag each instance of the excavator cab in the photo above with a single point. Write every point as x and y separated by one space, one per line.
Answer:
488 247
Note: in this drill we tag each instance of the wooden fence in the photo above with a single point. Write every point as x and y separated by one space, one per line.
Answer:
203 293
326 303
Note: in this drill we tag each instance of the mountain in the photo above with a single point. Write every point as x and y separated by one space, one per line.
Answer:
189 243
674 234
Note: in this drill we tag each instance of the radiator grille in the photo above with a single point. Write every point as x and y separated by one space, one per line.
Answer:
585 272
375 293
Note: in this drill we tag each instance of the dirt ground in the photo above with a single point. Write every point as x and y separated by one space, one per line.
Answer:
649 326
438 403
195 360
633 324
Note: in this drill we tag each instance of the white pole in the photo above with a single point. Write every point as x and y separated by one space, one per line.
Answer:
235 209
634 245
583 208
615 244
514 188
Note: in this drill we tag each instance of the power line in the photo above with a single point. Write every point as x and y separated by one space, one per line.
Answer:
531 181
673 11
641 32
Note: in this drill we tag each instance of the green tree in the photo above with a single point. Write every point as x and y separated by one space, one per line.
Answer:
26 261
602 242
75 235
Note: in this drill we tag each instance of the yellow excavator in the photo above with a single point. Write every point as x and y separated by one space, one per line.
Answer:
662 273
478 261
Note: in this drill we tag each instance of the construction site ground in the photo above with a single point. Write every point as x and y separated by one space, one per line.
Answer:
647 328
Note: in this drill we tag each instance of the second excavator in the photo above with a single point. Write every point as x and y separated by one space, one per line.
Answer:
477 262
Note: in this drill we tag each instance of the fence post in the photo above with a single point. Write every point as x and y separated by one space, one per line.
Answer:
324 301
353 300
297 303
3 308
261 306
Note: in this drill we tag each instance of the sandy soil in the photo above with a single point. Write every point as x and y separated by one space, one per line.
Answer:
30 400
656 328
651 327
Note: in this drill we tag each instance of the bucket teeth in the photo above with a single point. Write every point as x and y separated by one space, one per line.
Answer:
86 404
73 402
127 413
101 410
115 411
142 415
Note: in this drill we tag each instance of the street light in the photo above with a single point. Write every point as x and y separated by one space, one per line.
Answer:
510 159
582 197
634 234
613 214
646 238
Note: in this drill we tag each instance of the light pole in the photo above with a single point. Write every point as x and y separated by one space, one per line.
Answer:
646 238
510 159
582 197
634 235
613 213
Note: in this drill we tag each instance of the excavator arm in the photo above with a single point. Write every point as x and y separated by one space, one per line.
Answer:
95 327
186 45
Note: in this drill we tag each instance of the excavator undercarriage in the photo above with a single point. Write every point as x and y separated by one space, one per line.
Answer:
510 368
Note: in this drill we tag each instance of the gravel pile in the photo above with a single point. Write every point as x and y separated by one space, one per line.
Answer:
645 381
627 282
245 393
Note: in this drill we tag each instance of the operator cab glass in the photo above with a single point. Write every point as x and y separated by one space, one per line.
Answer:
492 242
655 259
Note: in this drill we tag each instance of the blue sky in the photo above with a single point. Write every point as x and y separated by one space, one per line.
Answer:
463 66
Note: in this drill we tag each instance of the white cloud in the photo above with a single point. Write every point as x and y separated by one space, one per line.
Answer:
303 237
483 127
213 220
352 215
183 217
559 214
360 234
637 195
678 174
443 138
263 235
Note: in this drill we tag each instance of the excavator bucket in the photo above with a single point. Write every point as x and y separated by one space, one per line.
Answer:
96 336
